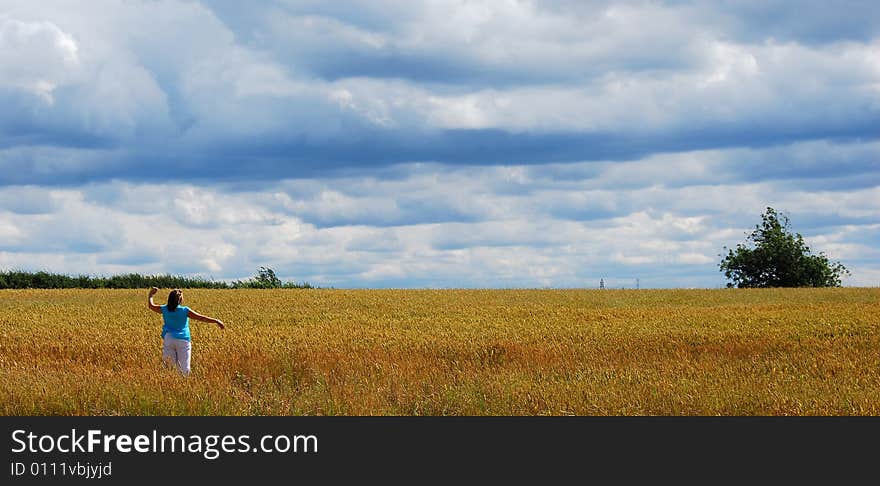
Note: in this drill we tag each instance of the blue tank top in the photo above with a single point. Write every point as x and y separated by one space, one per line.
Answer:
176 322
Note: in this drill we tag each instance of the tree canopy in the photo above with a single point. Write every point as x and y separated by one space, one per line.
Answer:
774 257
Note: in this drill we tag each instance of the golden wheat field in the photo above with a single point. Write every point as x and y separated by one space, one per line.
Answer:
448 352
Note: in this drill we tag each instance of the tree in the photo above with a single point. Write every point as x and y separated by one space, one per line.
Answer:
266 279
778 259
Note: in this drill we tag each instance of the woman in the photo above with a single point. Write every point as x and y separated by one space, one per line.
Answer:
176 345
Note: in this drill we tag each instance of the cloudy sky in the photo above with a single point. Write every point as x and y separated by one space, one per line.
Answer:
436 143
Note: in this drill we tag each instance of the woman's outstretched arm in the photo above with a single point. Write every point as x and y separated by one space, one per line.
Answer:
153 307
195 315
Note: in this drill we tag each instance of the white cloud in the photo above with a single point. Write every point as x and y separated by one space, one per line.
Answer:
695 259
36 57
9 233
618 68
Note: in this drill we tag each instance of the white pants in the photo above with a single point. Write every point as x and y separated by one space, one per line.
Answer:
176 352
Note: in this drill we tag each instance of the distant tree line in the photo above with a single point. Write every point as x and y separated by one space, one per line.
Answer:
17 279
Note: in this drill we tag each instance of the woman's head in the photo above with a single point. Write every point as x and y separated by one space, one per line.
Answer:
175 298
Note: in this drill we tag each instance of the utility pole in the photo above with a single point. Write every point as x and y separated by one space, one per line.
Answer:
637 284
602 284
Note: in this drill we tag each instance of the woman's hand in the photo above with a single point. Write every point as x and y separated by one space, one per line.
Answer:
153 307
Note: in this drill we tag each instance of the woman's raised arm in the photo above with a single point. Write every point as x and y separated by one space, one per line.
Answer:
153 307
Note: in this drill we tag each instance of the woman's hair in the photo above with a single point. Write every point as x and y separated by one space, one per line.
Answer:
174 299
